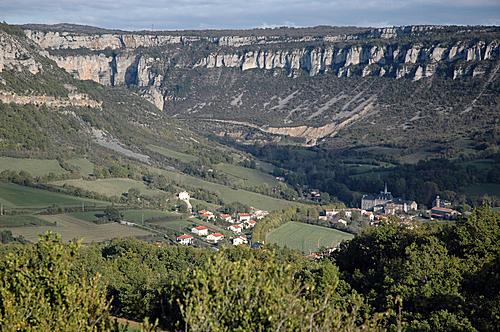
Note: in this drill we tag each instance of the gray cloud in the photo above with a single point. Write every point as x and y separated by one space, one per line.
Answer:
196 14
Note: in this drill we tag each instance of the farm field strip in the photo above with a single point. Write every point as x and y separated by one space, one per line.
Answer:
71 228
16 196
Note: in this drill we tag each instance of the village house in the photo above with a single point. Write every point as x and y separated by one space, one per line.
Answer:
215 237
239 240
226 217
184 195
330 213
250 224
206 215
260 214
200 230
185 239
242 217
368 214
342 221
236 228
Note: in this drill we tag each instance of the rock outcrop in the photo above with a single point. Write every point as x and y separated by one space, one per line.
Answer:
392 60
73 99
15 56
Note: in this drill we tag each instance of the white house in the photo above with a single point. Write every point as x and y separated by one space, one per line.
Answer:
259 214
215 237
185 239
342 221
239 240
330 212
200 230
236 228
226 217
242 217
250 224
184 196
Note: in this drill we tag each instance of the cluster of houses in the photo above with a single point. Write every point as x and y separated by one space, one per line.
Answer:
238 223
343 216
384 203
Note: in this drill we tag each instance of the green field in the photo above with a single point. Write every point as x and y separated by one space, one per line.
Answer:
491 189
16 196
184 157
21 220
36 167
71 228
137 215
246 176
109 187
227 194
305 237
84 166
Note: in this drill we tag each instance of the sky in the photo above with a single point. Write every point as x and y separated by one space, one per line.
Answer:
243 14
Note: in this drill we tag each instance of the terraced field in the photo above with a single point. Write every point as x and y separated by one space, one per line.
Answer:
71 228
306 238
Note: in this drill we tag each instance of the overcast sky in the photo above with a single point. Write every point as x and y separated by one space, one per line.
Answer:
203 14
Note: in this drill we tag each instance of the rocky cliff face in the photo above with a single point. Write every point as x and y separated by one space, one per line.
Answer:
15 56
415 61
148 61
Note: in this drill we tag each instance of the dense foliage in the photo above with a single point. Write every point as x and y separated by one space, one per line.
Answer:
429 278
332 172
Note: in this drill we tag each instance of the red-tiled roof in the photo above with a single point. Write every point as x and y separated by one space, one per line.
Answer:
184 236
245 214
200 228
442 209
217 235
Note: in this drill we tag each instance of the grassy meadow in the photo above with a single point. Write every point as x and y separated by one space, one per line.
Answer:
305 237
109 187
16 196
36 167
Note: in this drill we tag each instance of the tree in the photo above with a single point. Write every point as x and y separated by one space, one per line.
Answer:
113 214
38 293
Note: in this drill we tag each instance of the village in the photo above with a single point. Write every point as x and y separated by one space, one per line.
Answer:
375 209
237 226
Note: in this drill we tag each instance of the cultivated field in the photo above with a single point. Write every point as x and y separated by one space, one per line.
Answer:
305 237
36 167
109 187
16 196
227 194
71 228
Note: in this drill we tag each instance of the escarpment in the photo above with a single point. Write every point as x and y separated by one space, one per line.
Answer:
309 84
